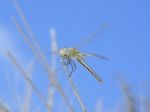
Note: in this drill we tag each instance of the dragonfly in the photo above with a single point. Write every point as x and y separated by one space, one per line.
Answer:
68 55
71 54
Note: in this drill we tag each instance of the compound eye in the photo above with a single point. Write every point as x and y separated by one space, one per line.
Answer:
62 54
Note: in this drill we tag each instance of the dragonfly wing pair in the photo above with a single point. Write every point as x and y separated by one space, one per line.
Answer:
96 55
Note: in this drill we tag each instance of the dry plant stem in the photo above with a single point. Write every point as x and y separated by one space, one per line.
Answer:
50 101
39 54
53 47
147 105
13 60
12 85
26 105
3 107
74 89
131 102
77 95
46 66
36 48
25 37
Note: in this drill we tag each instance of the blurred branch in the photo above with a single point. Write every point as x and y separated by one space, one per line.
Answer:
13 60
13 83
28 91
51 93
3 107
99 106
51 90
54 48
74 89
38 53
147 105
131 100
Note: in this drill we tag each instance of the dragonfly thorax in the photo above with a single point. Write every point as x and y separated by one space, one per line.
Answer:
69 52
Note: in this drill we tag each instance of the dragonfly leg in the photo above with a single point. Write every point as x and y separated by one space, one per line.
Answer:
66 61
73 66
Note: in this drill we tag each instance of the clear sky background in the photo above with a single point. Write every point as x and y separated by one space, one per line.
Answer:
126 43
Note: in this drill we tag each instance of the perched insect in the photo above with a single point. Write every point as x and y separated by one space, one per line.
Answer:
68 56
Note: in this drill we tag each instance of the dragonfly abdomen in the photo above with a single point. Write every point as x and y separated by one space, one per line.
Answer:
90 69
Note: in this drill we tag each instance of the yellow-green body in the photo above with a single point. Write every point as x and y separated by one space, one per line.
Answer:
73 53
70 53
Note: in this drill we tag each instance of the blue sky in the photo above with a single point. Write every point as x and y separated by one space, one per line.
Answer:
126 44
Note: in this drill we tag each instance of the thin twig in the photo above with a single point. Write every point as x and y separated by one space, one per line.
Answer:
131 100
38 52
13 60
26 105
53 47
4 107
46 66
74 89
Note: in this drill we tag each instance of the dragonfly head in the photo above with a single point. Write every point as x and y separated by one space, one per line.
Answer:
63 52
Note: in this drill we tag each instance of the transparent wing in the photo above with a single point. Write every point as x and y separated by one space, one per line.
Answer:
96 55
90 69
99 33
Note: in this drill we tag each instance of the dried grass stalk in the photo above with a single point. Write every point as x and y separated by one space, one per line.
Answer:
39 54
24 73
